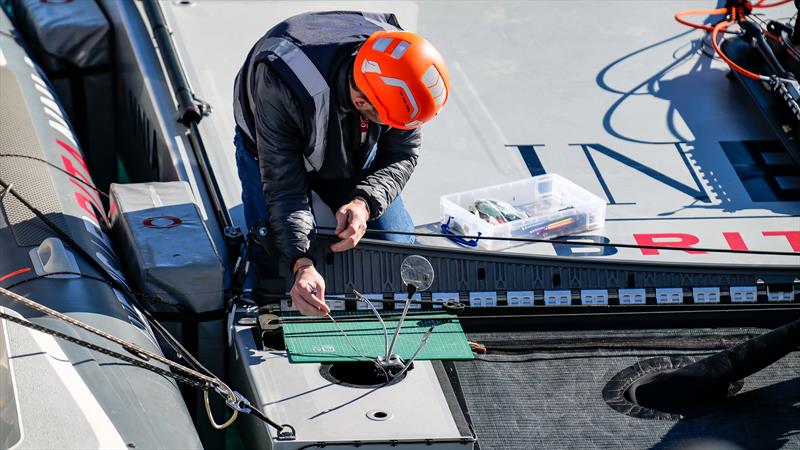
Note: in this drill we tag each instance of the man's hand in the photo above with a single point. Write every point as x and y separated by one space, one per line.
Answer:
351 224
308 292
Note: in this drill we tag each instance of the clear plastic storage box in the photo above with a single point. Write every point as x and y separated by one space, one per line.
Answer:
554 205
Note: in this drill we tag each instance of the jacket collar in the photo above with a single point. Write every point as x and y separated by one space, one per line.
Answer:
342 87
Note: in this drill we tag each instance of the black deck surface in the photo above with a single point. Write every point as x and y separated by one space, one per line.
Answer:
552 398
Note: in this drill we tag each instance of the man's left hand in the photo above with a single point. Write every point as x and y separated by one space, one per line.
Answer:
351 224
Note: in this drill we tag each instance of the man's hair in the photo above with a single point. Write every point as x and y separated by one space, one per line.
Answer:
352 81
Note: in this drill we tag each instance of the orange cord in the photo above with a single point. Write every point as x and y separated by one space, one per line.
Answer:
697 12
722 55
760 4
721 26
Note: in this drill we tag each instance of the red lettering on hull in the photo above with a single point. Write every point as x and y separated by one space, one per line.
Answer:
87 201
676 240
792 236
735 241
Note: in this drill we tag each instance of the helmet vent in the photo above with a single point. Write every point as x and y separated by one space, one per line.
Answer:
381 44
370 67
433 81
400 50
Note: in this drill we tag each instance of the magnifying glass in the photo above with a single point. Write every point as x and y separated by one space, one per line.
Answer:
417 274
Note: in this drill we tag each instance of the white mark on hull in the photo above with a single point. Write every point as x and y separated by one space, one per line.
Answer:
44 91
11 371
63 130
104 430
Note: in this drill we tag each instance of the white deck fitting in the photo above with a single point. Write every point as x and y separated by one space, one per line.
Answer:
323 411
569 85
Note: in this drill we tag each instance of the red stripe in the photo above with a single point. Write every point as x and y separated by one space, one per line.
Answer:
20 271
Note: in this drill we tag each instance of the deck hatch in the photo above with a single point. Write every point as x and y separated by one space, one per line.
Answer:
765 169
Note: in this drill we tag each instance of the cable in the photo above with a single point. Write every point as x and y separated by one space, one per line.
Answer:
567 242
33 158
697 12
731 64
110 279
233 399
761 4
104 351
133 348
734 15
452 236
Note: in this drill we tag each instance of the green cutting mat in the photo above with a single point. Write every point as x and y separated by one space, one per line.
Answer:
314 340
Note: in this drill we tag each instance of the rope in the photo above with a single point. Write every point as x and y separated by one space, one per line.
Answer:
213 422
103 350
44 161
233 399
124 344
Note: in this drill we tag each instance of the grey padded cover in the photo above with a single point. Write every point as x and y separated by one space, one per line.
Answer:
73 32
165 245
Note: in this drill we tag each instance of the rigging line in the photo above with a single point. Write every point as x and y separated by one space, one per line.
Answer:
211 382
109 278
234 399
695 12
54 166
231 395
179 349
567 242
124 344
106 351
147 298
762 4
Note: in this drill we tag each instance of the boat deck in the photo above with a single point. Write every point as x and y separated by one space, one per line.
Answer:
613 95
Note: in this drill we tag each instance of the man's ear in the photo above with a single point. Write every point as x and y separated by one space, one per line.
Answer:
360 101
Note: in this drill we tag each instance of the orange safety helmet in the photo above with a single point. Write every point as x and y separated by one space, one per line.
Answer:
403 76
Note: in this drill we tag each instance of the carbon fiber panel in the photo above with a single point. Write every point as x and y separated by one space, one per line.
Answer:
31 180
520 399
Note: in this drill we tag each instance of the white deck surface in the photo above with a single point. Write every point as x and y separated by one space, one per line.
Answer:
619 81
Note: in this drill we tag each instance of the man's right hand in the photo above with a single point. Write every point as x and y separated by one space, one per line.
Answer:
308 291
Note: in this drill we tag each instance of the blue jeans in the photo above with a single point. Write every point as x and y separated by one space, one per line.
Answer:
395 218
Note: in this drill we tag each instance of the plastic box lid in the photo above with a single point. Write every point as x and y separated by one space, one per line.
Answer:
555 207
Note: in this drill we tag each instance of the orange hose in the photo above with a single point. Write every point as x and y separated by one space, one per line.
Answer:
722 55
697 12
760 4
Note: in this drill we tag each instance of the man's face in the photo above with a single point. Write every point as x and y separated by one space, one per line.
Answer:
362 104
